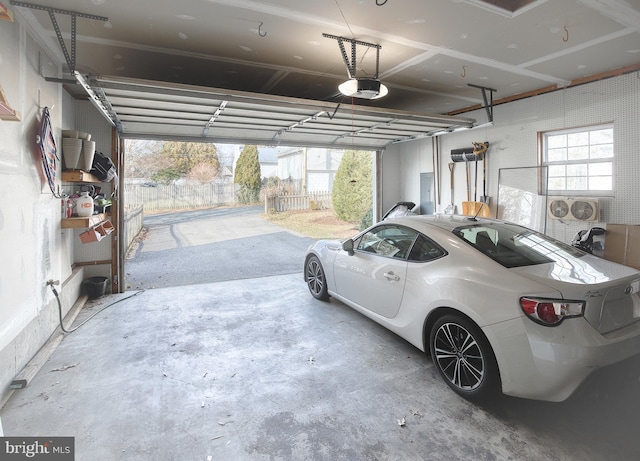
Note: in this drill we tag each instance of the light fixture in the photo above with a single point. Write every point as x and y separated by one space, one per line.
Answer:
363 87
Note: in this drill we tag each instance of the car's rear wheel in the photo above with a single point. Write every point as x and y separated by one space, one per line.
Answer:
463 357
315 278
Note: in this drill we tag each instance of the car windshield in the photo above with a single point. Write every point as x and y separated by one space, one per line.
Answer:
514 246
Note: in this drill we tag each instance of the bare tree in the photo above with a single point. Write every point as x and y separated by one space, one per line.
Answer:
203 172
138 157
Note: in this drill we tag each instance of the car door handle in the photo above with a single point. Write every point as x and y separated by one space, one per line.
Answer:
391 276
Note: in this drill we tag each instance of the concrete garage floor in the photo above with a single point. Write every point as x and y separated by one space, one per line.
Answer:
256 369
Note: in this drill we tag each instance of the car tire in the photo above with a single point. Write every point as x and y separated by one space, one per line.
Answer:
463 357
315 278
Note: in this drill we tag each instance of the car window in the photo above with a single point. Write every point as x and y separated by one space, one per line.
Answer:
513 246
425 250
388 241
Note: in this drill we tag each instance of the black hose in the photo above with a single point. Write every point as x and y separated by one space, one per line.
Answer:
55 292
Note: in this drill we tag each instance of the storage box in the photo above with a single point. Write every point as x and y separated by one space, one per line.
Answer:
90 236
622 244
97 233
105 228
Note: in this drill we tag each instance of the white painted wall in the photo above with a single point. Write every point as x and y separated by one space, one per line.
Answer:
268 170
33 246
513 141
290 164
322 165
393 185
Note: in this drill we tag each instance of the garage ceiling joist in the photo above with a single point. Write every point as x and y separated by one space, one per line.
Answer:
167 111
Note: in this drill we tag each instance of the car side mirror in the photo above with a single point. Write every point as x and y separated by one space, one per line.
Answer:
347 246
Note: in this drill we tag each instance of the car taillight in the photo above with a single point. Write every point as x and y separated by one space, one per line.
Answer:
550 312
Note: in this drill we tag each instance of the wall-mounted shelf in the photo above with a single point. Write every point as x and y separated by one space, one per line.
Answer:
83 223
78 176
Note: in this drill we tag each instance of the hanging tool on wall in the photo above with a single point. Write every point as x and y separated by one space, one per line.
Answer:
475 182
464 155
451 208
480 150
468 154
466 167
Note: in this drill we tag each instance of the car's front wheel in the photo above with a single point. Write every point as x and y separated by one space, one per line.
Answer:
315 278
463 357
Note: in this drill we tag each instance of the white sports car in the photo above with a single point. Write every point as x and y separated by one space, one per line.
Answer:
498 306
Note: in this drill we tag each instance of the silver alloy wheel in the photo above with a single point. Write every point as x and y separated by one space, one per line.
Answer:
314 276
459 356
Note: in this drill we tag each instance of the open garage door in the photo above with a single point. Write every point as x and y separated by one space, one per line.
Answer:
144 109
160 110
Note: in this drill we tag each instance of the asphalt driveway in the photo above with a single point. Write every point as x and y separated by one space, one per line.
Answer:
212 245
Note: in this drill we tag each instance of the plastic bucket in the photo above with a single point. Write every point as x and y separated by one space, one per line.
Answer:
94 287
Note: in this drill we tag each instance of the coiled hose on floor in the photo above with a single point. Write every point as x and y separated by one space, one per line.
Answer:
51 284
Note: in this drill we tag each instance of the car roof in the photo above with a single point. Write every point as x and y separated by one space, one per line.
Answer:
445 222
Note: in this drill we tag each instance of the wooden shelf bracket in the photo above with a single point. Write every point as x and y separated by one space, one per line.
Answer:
6 112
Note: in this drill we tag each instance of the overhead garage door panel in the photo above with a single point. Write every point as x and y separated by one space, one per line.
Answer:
157 110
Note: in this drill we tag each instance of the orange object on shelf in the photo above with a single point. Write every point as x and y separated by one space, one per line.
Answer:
97 233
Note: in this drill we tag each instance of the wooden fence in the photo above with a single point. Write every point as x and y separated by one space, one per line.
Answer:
311 201
133 220
178 197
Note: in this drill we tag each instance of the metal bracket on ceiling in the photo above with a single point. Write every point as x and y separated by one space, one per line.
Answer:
334 112
69 57
351 64
488 102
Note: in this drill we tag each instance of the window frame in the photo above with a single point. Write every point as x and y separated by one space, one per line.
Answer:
519 246
358 241
442 252
549 164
